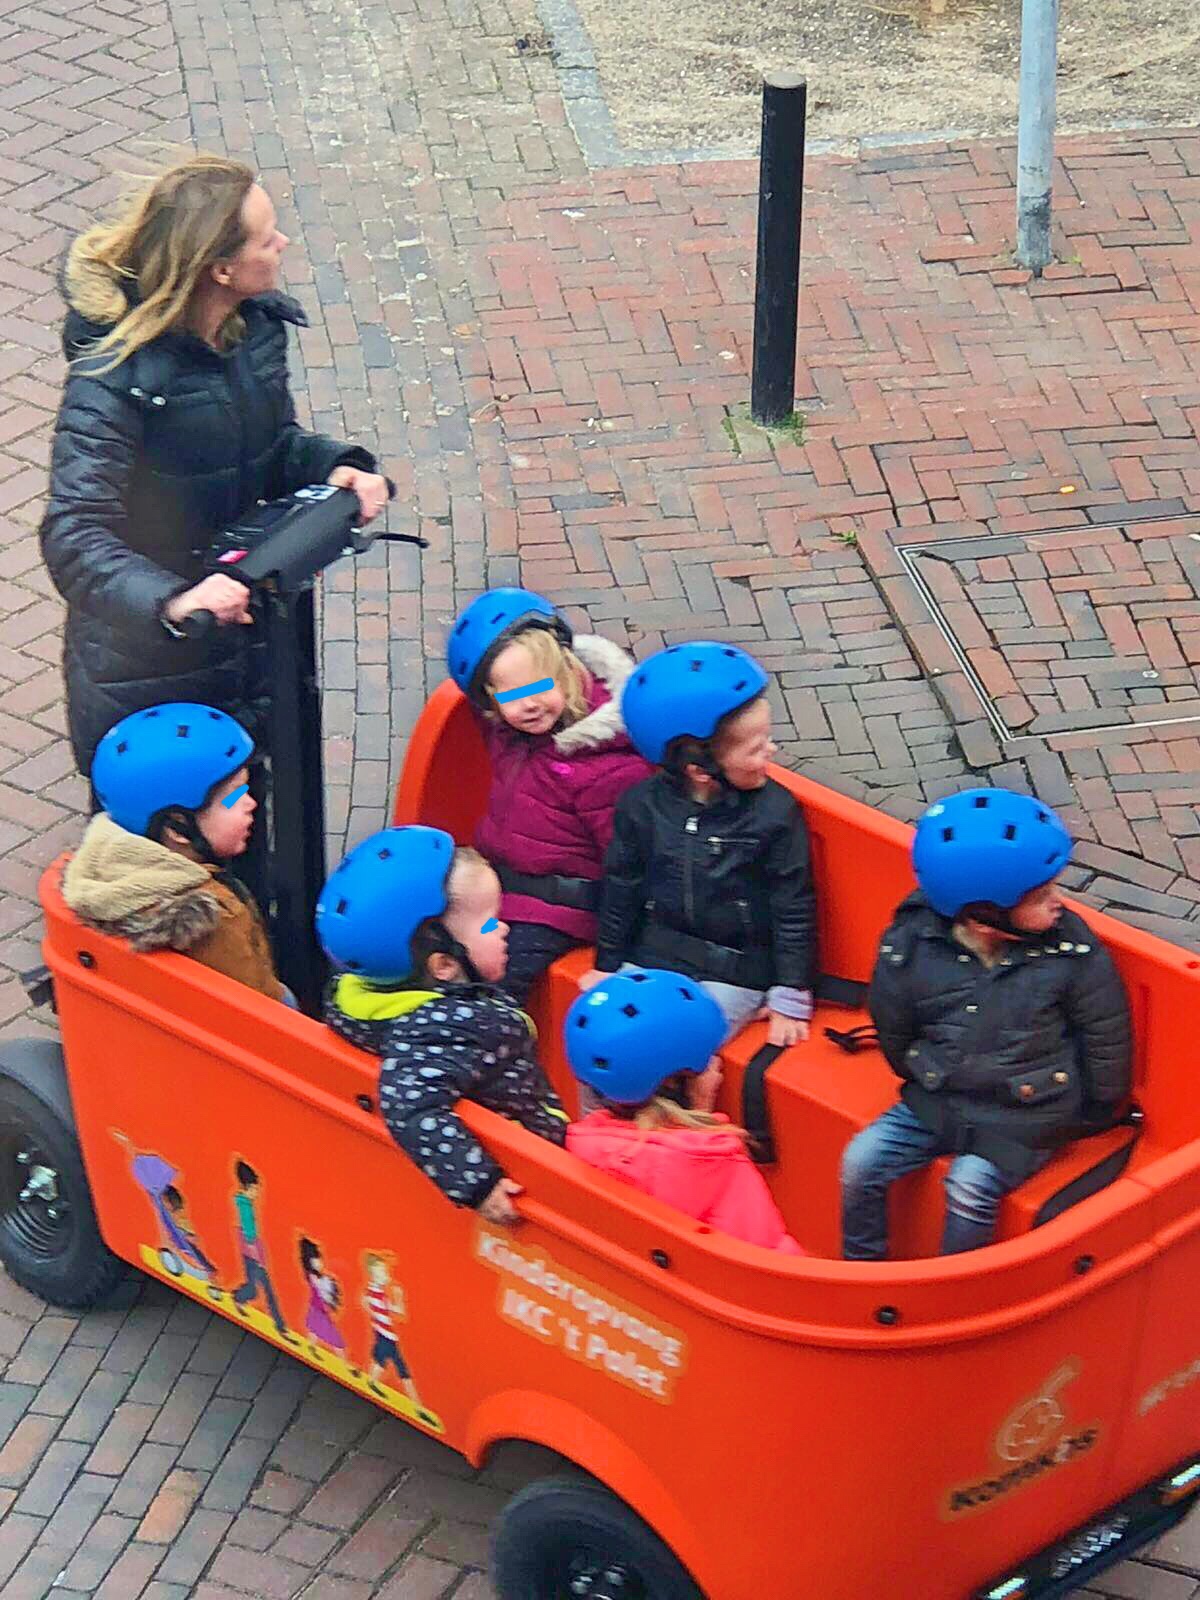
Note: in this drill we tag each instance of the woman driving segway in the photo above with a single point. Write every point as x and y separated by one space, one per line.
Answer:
176 418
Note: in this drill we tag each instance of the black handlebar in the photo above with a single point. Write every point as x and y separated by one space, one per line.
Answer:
198 624
287 543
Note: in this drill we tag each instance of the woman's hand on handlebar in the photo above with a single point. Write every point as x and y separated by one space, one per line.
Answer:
370 487
226 598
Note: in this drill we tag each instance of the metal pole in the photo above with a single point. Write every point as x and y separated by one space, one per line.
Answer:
777 284
297 794
1035 133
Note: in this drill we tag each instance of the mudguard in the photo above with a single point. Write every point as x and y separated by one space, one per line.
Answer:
39 1066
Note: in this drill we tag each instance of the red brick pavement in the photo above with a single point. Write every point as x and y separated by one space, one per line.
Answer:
547 359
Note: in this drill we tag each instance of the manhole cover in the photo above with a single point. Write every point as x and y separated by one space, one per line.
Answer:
1073 628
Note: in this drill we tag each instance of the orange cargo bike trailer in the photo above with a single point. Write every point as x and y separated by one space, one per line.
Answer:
730 1423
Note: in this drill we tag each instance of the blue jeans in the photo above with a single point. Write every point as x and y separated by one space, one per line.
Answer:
897 1143
256 1279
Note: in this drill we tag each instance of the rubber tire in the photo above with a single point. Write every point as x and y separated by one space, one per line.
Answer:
87 1271
532 1527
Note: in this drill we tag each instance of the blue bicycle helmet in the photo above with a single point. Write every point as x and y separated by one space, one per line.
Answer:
488 623
635 1030
169 755
687 689
989 845
374 902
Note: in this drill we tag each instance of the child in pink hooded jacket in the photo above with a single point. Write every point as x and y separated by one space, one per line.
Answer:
549 708
625 1038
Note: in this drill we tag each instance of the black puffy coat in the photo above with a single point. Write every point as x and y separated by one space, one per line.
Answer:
734 874
1021 1056
150 461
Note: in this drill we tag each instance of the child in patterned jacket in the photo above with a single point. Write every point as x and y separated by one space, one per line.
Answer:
412 922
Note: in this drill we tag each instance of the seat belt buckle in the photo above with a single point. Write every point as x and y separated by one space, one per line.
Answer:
853 1040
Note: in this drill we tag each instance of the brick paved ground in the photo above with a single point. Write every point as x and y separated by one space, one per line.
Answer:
547 359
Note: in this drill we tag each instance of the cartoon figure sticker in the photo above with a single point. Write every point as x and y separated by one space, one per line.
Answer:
1035 1438
252 1293
559 1308
179 1253
256 1279
383 1301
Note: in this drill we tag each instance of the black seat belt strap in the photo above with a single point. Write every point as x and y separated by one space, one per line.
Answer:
755 1119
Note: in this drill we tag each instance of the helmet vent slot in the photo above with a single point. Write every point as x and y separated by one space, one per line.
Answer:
947 835
340 909
601 1062
182 731
1010 831
385 854
980 802
630 1010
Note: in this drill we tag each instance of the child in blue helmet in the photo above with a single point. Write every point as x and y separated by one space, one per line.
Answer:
627 1038
414 925
172 782
549 708
708 870
1000 1011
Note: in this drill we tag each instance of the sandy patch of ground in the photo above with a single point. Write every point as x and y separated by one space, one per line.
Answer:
681 76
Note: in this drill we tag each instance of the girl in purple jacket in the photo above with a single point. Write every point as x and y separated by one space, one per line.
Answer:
549 706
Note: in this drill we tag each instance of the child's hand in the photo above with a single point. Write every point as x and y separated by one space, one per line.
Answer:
703 1087
785 1031
498 1206
591 979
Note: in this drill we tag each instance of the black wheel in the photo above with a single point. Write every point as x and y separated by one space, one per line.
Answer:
563 1538
49 1240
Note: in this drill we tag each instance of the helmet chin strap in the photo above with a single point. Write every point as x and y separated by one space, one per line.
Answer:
184 823
448 945
707 763
999 919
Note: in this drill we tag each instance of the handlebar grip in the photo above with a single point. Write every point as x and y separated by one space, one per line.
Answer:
197 624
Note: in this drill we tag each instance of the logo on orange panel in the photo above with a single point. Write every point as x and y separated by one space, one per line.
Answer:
1035 1438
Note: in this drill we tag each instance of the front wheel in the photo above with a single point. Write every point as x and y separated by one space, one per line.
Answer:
49 1240
563 1538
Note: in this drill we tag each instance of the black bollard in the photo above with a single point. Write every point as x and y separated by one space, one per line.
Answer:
777 285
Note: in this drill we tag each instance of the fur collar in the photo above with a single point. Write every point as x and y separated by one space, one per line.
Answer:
611 666
121 883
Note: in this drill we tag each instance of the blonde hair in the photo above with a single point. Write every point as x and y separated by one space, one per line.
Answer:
660 1112
466 860
169 231
552 659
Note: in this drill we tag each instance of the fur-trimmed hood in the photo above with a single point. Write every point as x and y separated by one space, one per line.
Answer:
161 899
121 883
611 667
97 298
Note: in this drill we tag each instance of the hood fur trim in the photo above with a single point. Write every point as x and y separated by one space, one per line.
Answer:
93 291
137 889
612 666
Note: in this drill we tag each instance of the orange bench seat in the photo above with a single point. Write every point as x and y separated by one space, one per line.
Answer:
818 1097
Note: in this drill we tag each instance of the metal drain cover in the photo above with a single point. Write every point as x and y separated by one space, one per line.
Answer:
1070 629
